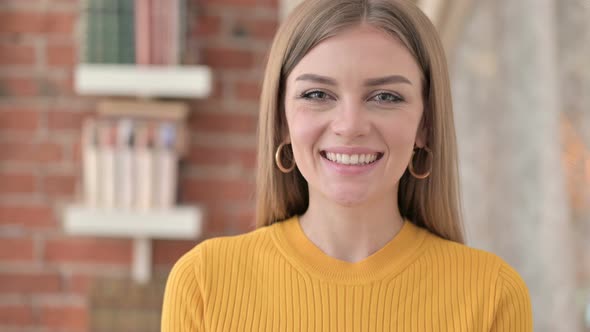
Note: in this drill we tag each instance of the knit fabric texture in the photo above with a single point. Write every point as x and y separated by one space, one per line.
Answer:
276 279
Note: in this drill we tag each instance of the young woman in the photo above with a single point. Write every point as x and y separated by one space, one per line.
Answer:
358 208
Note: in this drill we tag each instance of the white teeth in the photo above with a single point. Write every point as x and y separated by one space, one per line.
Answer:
345 159
351 159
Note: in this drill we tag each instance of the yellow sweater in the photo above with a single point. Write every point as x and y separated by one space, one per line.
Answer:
276 279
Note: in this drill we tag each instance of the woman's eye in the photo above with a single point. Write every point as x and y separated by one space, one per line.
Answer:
386 97
315 95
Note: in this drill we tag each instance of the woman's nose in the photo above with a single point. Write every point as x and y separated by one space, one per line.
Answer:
351 120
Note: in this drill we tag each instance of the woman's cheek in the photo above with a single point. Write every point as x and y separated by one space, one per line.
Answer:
305 129
304 123
401 128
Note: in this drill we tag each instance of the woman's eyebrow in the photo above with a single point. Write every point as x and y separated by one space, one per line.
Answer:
317 79
392 79
387 80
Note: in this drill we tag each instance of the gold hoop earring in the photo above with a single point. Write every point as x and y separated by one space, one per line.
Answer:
411 165
280 163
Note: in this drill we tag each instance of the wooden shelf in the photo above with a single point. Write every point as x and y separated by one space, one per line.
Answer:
177 223
143 81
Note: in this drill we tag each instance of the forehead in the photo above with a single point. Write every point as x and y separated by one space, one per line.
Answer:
357 53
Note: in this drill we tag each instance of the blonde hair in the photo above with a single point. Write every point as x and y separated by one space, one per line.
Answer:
432 203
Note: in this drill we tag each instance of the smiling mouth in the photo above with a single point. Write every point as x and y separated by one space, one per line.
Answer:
352 159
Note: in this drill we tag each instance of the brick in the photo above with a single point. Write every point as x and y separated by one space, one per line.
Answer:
81 284
206 26
68 84
61 55
204 155
33 217
57 185
219 219
19 120
226 58
263 29
244 3
31 152
216 190
248 91
57 86
167 252
245 221
216 220
77 151
223 122
17 183
234 3
269 3
18 86
88 251
16 249
16 315
38 86
26 283
66 119
37 22
71 318
16 55
107 295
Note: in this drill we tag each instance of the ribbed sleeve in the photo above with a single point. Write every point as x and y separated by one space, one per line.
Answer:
275 279
513 312
183 303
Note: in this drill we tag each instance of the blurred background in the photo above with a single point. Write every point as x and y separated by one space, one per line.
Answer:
88 85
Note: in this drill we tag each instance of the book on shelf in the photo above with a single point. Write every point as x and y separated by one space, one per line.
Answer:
111 32
127 31
157 31
91 31
146 32
176 32
143 23
130 163
167 32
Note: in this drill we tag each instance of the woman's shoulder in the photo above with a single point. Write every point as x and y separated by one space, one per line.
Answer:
460 259
481 276
203 262
214 249
461 254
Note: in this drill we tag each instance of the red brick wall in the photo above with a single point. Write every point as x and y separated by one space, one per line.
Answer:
46 275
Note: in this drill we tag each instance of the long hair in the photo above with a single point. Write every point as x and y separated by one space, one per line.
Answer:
432 203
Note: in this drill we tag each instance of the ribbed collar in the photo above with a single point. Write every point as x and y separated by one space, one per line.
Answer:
390 259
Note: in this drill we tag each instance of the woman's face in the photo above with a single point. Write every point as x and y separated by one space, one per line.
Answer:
354 106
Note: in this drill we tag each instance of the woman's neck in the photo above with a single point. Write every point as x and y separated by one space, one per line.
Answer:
351 233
